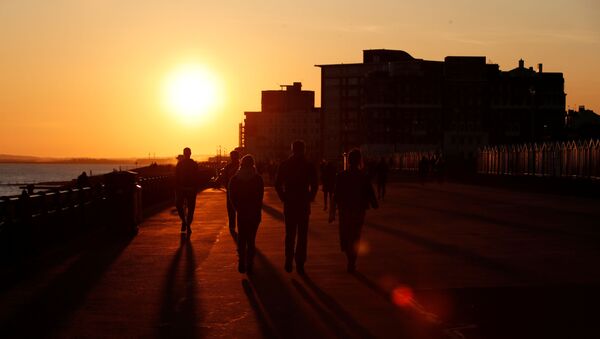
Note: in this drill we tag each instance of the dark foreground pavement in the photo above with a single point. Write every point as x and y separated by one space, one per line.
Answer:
437 261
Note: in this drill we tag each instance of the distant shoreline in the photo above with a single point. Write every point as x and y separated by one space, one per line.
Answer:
12 159
99 161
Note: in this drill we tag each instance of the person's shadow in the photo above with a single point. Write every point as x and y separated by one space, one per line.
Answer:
178 311
49 309
330 310
276 306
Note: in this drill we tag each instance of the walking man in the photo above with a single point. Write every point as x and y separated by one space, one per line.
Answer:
328 172
382 177
228 172
186 183
246 190
296 185
353 195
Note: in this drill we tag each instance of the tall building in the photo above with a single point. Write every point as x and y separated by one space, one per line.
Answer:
582 124
392 102
286 115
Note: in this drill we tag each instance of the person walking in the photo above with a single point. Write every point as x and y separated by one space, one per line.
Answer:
353 194
246 190
382 177
328 172
423 169
296 185
228 172
186 188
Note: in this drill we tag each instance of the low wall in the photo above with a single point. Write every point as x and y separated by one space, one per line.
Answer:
28 223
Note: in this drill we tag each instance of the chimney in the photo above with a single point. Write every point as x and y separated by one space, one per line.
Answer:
540 68
521 63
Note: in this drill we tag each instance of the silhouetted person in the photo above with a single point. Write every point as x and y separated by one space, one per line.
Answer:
352 196
438 168
186 185
246 189
83 180
328 172
370 168
228 172
382 177
423 169
296 186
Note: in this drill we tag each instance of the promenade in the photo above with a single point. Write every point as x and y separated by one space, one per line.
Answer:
437 261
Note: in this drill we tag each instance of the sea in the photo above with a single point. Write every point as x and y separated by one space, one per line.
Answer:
13 175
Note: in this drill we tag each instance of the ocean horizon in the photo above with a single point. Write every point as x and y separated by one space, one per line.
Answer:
14 175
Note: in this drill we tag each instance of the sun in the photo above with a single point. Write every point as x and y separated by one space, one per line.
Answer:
191 92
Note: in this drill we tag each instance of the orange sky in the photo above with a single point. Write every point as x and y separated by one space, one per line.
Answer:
85 77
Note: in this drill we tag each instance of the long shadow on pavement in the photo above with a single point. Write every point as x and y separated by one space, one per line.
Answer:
51 307
455 251
481 200
275 213
278 307
178 310
333 313
590 233
266 326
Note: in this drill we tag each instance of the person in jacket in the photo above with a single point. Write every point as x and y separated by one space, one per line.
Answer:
186 188
353 194
228 172
296 185
382 178
246 190
328 172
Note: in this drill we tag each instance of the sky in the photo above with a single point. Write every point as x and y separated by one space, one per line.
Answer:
86 78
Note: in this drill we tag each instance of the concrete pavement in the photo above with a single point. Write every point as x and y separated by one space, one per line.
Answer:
437 261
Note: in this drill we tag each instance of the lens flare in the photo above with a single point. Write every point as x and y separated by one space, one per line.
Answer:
363 247
402 296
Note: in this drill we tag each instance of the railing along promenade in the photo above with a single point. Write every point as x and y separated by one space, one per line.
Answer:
409 161
28 222
573 159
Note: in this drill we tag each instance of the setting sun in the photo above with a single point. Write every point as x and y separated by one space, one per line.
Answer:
191 92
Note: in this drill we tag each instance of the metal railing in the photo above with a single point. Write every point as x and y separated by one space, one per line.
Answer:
409 161
30 221
578 159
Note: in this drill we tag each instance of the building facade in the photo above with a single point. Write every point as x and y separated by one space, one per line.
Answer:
286 115
582 124
392 102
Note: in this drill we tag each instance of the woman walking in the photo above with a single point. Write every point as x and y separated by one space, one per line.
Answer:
353 194
246 190
328 172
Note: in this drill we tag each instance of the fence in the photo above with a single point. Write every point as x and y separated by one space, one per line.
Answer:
28 222
579 159
409 161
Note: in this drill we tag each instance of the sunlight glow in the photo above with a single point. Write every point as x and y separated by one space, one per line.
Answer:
192 92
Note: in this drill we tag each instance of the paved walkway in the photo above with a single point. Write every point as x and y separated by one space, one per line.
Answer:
447 261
